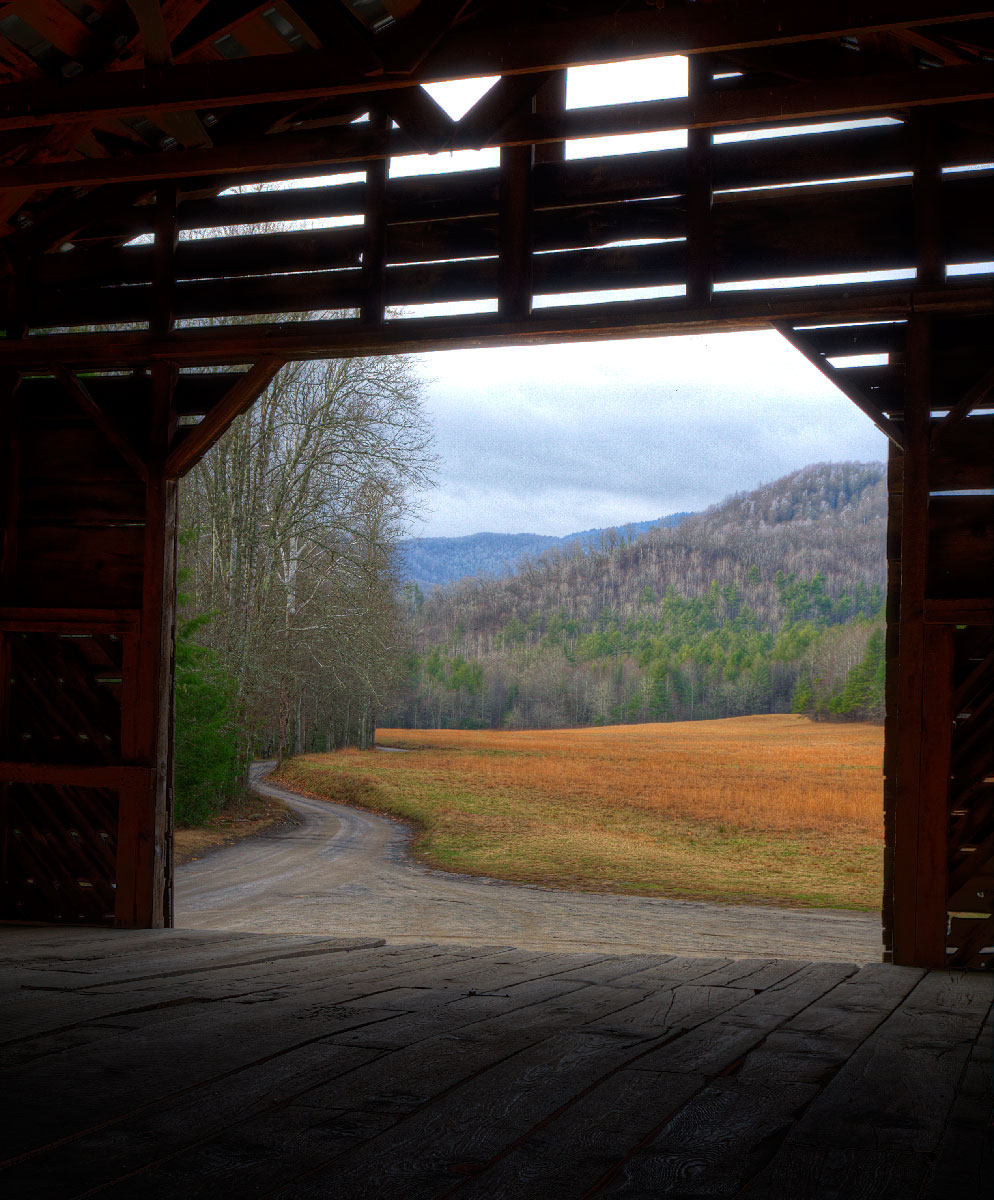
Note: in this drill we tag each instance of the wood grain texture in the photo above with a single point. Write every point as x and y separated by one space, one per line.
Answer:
167 1063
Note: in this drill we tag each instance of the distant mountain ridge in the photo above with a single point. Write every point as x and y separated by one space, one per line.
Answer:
432 562
768 601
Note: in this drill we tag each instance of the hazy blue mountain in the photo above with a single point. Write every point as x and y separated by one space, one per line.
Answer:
429 562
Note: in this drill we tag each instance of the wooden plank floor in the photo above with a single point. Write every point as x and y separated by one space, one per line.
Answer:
193 1064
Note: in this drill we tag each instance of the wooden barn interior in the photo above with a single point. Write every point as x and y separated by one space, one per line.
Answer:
151 291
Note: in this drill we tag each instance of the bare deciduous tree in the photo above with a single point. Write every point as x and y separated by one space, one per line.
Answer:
291 520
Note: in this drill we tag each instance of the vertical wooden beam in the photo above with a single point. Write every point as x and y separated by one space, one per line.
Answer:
164 259
374 240
9 478
9 486
15 273
550 99
700 194
929 250
933 805
144 862
921 727
145 832
895 520
919 885
514 269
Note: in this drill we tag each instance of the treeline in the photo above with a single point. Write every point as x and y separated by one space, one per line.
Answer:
290 635
765 603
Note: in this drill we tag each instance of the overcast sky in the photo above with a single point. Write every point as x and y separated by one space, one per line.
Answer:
556 439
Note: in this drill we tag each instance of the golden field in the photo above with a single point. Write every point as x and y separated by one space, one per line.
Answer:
766 809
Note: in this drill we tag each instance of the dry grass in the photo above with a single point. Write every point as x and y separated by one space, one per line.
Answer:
769 809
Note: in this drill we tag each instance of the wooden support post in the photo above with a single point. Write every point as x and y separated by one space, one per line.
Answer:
551 98
145 830
164 259
9 483
9 479
895 521
929 250
919 804
514 273
700 194
15 286
374 240
144 870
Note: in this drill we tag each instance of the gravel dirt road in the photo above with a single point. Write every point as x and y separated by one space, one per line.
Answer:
348 873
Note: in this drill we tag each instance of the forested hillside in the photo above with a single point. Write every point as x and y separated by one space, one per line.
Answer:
765 602
428 562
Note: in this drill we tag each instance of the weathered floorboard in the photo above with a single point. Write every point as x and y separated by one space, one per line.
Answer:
165 1064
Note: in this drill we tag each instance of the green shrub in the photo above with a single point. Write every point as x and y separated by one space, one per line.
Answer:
210 754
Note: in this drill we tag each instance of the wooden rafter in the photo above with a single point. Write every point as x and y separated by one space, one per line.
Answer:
972 399
906 89
186 127
319 73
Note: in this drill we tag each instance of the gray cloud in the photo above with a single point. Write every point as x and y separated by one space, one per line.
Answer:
559 438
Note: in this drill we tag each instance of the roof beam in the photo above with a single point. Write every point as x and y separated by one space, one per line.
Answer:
354 143
545 46
344 338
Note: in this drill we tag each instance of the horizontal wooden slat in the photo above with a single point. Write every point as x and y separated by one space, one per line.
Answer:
68 454
333 338
756 237
566 184
60 775
70 620
748 226
103 563
106 502
354 143
977 611
46 414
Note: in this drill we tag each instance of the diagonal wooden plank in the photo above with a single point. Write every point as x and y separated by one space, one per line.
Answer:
185 127
973 398
424 121
509 96
80 394
237 400
862 401
337 27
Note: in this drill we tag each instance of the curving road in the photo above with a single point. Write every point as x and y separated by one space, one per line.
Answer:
348 873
